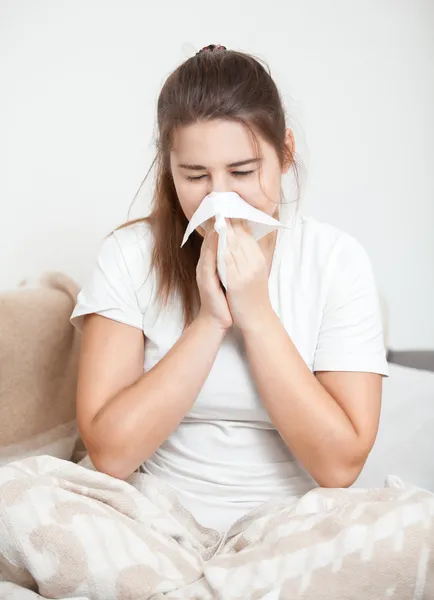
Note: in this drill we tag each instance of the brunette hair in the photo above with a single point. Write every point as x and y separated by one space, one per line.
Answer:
217 84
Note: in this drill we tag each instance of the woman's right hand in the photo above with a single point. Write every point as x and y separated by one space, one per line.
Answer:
214 306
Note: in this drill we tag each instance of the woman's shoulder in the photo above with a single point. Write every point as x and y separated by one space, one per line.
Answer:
320 254
131 243
133 236
321 232
128 250
118 286
324 242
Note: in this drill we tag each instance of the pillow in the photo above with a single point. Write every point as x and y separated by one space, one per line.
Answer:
38 369
405 440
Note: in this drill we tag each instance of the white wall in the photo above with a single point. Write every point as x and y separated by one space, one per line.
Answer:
79 83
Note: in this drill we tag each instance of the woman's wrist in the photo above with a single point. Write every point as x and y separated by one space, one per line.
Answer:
262 324
210 324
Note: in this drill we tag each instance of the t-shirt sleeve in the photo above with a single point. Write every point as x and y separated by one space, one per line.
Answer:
351 332
109 291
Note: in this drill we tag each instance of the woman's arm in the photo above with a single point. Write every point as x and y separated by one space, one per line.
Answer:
123 414
330 421
122 429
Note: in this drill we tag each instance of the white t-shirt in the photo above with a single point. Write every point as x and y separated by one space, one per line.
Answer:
226 457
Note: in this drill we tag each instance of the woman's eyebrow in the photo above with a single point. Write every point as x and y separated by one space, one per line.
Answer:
239 163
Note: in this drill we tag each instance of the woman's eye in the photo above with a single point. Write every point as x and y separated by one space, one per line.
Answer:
236 173
195 178
239 173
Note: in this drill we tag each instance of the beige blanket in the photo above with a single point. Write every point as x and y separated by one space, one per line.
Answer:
67 531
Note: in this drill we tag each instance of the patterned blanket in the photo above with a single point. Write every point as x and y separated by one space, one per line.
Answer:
67 531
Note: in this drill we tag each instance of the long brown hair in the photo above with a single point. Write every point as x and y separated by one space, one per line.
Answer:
218 84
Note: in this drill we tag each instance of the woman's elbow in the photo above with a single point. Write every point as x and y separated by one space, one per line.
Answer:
342 479
341 476
110 465
112 458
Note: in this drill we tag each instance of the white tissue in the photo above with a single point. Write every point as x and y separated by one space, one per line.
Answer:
229 205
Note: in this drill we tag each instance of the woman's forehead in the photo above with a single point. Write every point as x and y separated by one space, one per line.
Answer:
215 141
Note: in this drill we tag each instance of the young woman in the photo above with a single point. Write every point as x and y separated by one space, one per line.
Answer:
231 398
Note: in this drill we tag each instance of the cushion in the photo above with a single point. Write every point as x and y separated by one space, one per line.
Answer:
405 440
38 369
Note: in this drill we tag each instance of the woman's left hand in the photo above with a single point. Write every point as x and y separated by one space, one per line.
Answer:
247 278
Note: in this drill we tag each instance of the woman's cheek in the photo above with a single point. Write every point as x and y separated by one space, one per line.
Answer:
258 200
189 202
265 199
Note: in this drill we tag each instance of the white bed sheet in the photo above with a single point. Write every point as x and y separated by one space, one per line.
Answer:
405 441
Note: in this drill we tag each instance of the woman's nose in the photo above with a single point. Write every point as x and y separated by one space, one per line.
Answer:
222 183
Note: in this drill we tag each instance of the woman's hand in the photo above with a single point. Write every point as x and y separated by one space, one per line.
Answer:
214 306
247 278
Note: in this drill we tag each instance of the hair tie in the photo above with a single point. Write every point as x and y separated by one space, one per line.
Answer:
211 48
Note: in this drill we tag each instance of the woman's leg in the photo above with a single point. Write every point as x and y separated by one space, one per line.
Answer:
68 532
332 544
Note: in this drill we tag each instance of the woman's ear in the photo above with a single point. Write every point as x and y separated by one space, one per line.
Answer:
290 143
